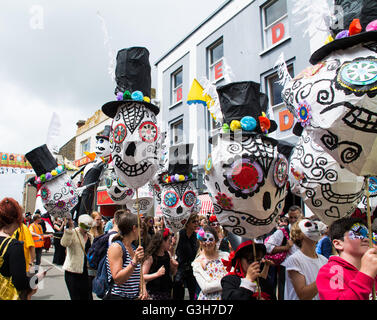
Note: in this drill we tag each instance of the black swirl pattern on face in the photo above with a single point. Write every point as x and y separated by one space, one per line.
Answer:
350 151
324 96
321 175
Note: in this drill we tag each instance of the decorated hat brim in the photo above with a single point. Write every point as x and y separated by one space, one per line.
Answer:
342 44
110 108
168 183
244 134
103 137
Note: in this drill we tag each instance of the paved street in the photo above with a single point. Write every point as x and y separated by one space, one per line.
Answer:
53 286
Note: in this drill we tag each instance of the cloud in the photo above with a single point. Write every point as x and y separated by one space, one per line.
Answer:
26 118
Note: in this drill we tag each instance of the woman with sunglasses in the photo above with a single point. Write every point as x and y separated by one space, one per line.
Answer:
208 267
222 242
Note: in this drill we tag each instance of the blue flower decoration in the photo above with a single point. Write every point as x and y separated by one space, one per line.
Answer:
248 123
137 96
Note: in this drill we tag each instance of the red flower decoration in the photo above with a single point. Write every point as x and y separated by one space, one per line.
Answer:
355 27
213 218
264 123
166 233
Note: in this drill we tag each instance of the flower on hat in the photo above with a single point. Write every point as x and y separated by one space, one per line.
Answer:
264 123
355 27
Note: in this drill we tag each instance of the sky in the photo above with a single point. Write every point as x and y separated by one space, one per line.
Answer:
55 61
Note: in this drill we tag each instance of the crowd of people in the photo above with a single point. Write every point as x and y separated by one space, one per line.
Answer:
301 259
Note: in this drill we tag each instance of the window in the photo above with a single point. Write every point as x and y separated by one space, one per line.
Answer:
176 129
275 89
275 23
215 60
282 115
176 84
85 146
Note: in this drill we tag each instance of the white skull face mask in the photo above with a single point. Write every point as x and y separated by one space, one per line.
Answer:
177 203
134 144
310 229
102 147
338 98
59 196
116 189
144 200
327 189
247 179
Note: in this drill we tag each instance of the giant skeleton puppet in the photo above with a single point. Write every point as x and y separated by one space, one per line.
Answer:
331 192
336 97
134 138
92 174
247 171
178 192
56 188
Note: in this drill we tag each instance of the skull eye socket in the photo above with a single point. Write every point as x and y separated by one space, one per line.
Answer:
171 199
120 133
308 224
148 131
108 182
189 198
120 183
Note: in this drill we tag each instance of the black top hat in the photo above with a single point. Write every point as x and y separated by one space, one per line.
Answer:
43 162
180 164
240 99
105 134
365 11
133 78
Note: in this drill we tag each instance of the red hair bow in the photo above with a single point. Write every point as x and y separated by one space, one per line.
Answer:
212 218
228 263
166 233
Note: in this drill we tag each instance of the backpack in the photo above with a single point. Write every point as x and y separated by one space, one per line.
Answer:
278 258
101 285
98 249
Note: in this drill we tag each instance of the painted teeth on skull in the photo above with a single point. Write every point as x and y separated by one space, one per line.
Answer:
250 218
131 170
332 197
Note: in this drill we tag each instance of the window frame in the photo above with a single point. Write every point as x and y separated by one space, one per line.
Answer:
266 27
174 88
210 64
82 144
173 127
268 85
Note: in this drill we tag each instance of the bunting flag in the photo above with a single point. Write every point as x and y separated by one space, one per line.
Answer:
13 160
10 170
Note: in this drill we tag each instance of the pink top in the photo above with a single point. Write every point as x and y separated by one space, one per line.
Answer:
340 280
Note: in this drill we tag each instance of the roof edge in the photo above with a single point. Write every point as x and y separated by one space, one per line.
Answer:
193 31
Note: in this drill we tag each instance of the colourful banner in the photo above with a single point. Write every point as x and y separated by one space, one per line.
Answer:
11 170
14 160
